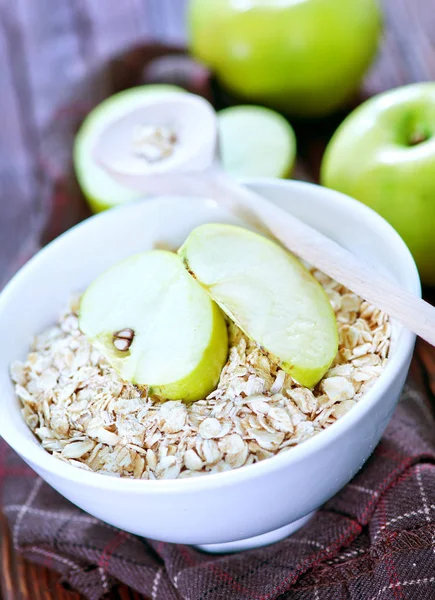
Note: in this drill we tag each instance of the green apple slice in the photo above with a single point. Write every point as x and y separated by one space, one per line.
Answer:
156 326
100 190
256 142
269 294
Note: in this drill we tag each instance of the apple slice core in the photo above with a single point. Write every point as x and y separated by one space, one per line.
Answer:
269 294
156 326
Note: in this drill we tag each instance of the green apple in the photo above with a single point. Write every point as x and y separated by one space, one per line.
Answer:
256 142
269 294
302 57
383 154
156 326
100 190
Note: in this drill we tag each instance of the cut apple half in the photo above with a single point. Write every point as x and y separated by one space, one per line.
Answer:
256 142
269 294
156 326
100 189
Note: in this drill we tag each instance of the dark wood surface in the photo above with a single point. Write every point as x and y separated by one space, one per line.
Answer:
407 55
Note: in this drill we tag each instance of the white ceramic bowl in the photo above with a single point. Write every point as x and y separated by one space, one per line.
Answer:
276 494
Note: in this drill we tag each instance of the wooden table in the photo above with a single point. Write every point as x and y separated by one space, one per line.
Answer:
408 55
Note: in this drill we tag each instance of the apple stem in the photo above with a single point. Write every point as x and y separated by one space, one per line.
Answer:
418 137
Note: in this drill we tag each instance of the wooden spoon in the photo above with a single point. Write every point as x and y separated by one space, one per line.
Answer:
193 170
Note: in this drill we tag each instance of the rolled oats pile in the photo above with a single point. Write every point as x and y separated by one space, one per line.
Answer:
84 414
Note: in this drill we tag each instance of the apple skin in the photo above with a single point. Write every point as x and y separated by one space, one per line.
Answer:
371 157
301 57
100 190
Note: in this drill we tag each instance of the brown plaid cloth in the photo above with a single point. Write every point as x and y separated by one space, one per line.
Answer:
373 541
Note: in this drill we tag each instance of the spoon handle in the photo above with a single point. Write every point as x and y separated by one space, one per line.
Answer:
309 244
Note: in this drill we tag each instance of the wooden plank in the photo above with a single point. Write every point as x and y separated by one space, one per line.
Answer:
8 562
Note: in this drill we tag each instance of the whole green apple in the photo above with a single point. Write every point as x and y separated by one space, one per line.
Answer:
383 154
302 57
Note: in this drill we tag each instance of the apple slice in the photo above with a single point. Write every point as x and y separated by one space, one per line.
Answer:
269 294
156 326
100 190
256 142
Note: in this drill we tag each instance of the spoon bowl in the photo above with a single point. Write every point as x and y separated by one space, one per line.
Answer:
190 117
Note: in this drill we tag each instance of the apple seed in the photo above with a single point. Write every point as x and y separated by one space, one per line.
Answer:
122 339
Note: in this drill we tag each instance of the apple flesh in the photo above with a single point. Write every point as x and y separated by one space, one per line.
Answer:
156 326
269 294
256 142
383 154
301 57
100 190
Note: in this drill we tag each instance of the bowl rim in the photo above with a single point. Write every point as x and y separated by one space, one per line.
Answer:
40 458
